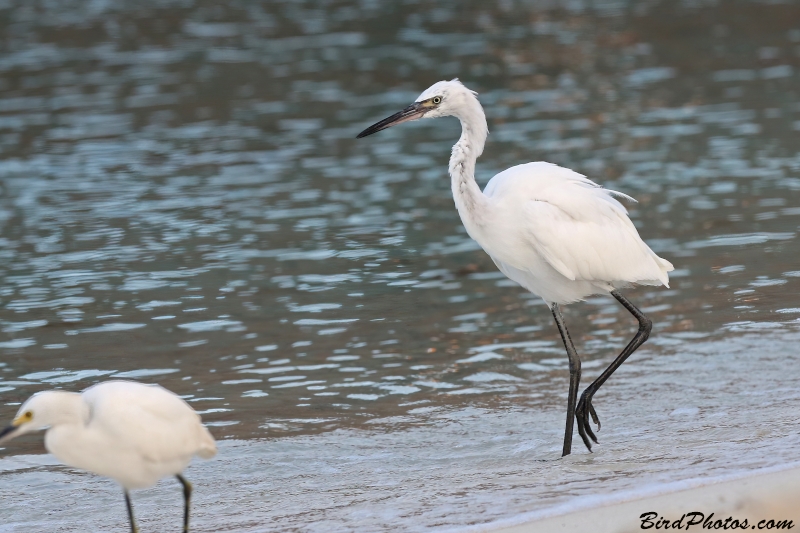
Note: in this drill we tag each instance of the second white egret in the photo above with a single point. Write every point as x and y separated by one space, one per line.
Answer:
133 433
552 230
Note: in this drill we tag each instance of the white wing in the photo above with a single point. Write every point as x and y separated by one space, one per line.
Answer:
149 419
579 228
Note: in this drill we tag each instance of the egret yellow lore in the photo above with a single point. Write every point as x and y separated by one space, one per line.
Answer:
552 230
133 433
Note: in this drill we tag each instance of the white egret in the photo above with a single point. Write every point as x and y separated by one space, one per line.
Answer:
552 230
133 433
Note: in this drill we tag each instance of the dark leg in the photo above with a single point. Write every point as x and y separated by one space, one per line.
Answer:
134 529
187 495
585 407
574 379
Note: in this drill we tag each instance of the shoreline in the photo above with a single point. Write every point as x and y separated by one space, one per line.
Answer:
761 495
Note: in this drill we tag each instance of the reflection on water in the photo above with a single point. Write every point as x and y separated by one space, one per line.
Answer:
183 201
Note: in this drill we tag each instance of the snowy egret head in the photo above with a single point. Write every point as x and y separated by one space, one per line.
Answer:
442 99
42 411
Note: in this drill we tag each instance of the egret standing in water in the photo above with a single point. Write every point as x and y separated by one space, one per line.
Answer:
552 230
133 433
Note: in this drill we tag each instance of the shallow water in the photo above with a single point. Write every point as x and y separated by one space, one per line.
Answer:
183 202
671 417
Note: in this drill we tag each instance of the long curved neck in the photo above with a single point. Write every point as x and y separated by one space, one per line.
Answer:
469 199
69 434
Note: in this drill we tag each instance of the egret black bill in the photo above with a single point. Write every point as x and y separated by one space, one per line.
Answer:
7 433
412 112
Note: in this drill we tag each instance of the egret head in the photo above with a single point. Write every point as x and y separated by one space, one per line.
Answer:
442 99
40 411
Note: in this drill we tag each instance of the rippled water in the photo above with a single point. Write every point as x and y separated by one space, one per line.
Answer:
183 202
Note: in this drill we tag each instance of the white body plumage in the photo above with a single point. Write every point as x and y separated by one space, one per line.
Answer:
560 235
133 433
550 229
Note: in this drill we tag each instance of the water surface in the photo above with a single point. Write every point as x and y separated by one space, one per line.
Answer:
183 202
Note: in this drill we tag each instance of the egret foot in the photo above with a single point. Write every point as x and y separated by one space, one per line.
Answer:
585 407
582 413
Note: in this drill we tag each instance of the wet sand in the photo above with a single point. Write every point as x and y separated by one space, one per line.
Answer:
183 201
760 498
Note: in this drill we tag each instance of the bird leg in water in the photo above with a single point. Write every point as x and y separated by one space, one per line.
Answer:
134 529
585 407
574 379
187 495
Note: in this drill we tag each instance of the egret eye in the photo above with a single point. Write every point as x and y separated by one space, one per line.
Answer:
437 99
28 415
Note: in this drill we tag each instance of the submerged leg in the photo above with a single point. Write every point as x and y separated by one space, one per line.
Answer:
585 407
134 529
187 495
574 380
